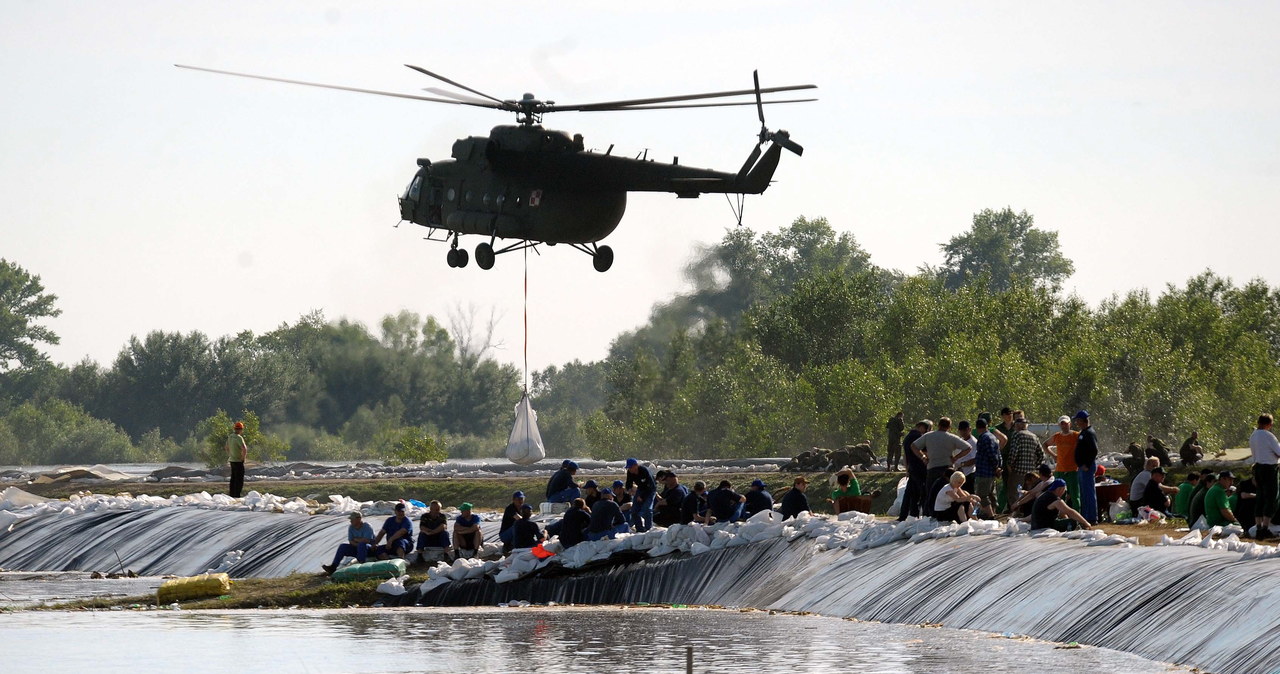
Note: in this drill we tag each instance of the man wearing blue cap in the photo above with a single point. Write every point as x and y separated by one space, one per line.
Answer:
562 488
758 499
590 493
1087 464
506 532
1049 504
643 488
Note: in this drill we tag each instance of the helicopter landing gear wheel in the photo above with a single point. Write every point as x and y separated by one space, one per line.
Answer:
452 257
462 257
603 259
485 256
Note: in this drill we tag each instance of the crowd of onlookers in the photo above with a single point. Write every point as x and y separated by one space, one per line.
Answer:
1052 482
979 471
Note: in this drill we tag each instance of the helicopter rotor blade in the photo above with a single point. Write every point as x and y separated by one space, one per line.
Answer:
625 108
454 95
483 104
630 104
463 87
755 75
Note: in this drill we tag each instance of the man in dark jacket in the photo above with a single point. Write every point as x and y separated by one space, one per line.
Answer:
1087 464
794 501
641 479
573 528
509 517
673 496
758 499
917 472
606 519
562 488
893 429
527 533
694 509
725 503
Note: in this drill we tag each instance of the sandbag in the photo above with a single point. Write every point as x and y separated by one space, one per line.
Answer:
524 446
388 568
393 587
193 587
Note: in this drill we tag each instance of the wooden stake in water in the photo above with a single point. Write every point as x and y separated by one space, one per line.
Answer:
122 571
688 659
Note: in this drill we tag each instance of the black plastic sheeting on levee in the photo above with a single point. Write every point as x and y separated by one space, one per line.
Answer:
1185 605
744 575
182 541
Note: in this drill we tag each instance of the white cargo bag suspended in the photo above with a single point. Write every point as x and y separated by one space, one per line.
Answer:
524 447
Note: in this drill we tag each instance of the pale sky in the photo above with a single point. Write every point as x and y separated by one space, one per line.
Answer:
149 197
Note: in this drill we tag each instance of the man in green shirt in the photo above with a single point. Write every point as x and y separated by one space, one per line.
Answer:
1182 502
1216 511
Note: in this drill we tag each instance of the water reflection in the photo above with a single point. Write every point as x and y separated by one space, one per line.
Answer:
530 639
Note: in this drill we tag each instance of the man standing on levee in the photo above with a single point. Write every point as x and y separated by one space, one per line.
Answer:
237 452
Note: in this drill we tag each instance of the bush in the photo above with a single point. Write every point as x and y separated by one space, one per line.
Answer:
57 432
412 444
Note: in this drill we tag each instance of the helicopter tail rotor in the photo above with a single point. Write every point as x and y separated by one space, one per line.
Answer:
779 137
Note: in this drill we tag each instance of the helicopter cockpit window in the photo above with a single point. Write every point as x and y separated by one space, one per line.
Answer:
415 188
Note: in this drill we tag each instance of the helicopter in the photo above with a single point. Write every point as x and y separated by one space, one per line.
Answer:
529 185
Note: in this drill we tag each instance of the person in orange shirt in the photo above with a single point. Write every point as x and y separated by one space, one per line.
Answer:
1061 447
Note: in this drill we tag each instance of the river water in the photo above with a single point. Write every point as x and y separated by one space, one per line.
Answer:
559 639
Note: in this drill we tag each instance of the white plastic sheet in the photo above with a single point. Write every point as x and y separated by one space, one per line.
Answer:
524 447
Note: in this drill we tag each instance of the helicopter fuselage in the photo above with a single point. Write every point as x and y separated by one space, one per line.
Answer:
534 184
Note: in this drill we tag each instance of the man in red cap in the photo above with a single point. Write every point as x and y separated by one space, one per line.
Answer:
237 451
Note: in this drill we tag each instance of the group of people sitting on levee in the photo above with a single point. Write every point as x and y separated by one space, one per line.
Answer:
636 504
395 538
596 510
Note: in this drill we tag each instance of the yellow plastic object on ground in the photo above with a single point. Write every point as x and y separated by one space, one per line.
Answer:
194 587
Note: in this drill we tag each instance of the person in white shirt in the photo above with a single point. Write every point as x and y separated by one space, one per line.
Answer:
1266 452
953 503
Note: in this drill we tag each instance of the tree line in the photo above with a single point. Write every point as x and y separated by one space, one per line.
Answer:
795 339
323 390
786 340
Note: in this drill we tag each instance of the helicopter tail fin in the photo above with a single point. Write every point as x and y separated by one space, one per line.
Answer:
757 178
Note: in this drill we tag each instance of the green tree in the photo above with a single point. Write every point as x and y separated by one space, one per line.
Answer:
1005 247
23 302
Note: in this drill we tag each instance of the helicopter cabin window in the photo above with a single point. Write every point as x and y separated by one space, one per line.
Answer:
486 199
415 188
452 195
468 197
499 201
